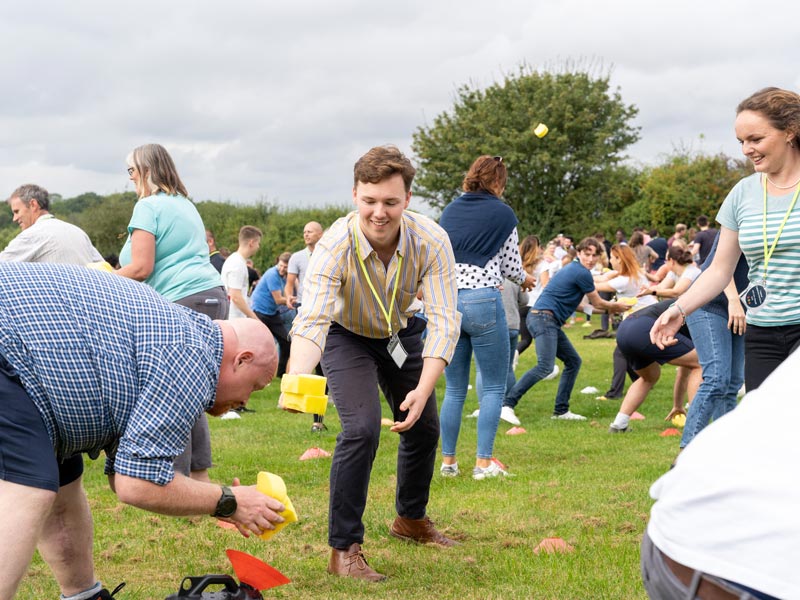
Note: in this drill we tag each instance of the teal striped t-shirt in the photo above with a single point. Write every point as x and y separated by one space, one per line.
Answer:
743 211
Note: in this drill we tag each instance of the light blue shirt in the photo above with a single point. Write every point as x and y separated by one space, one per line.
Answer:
262 300
181 264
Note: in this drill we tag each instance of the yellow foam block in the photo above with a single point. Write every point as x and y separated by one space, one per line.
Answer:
306 403
304 385
272 485
541 130
101 265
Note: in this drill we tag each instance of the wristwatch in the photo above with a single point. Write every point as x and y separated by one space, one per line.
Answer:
226 505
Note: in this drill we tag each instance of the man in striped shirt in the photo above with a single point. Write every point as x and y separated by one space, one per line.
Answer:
357 317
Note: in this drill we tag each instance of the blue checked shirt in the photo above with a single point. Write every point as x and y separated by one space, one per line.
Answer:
110 364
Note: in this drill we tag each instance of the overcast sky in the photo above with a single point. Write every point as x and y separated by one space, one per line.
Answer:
267 100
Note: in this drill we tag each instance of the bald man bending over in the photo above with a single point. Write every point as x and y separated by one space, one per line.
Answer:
92 362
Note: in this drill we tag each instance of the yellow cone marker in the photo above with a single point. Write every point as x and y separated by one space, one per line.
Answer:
272 485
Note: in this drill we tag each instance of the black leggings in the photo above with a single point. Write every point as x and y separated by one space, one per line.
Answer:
765 348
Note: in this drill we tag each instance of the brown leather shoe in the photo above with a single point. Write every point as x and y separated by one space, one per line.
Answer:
351 563
419 530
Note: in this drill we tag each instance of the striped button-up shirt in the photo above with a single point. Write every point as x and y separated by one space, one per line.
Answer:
336 290
110 364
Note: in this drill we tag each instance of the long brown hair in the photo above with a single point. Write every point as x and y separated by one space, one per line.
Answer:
531 252
157 171
629 266
486 173
780 107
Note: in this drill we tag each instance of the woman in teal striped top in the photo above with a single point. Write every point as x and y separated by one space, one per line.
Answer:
759 218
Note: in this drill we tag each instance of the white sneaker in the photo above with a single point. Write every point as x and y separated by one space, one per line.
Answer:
493 470
448 470
569 416
507 414
231 414
515 361
554 374
474 414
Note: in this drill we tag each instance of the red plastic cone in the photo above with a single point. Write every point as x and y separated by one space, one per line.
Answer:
254 572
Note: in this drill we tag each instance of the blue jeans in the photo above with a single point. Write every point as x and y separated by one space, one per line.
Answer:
484 332
721 354
513 336
551 342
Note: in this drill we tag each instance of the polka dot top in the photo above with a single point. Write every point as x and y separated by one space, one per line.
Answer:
506 263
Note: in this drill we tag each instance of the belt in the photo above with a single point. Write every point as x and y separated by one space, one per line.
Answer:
709 587
542 312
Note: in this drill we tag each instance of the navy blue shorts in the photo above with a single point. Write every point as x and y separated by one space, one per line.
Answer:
26 454
633 339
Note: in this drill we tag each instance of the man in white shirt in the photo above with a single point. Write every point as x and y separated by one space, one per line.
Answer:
235 276
298 263
725 520
43 237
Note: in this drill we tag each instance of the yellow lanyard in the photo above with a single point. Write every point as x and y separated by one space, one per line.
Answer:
387 314
768 253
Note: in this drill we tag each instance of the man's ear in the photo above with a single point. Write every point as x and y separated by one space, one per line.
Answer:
244 358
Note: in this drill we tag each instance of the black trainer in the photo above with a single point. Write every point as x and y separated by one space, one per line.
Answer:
105 595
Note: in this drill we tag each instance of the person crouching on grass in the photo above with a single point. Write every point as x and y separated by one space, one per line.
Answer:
558 301
357 317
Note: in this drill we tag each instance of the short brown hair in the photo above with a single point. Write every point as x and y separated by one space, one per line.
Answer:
780 107
589 242
284 257
486 173
380 163
248 232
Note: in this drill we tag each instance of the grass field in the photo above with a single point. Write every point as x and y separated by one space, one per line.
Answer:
571 480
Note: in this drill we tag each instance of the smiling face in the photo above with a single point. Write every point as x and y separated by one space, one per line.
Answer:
767 147
380 210
23 215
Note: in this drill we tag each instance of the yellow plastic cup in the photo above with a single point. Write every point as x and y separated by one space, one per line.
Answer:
272 485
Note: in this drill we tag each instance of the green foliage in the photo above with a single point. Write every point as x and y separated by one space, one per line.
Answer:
565 180
105 220
681 188
282 228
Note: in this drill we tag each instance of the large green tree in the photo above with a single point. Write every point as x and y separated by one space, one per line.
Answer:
563 181
682 187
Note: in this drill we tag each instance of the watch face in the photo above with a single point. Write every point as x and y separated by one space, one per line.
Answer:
226 505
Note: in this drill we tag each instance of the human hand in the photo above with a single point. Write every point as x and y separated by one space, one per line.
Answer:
255 512
618 307
282 407
736 317
529 284
662 334
676 410
414 403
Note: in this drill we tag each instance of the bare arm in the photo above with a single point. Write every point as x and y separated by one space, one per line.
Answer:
604 305
291 284
183 496
710 283
736 314
304 356
240 302
143 256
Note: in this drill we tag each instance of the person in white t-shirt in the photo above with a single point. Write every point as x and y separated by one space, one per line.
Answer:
726 515
235 275
682 273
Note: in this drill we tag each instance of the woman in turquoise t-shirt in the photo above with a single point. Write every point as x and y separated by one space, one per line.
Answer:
166 249
760 219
